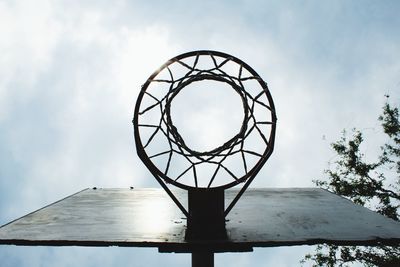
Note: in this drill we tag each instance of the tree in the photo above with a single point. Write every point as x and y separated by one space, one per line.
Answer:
372 184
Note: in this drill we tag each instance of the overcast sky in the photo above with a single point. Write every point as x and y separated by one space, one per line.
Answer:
70 72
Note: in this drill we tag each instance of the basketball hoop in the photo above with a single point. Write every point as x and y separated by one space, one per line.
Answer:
154 126
162 148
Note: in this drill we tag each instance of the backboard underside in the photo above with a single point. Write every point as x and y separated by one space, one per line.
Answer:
148 218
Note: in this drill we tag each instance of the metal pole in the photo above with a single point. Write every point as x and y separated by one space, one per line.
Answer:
202 259
206 219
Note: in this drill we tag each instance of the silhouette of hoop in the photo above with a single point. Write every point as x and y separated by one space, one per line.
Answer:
153 116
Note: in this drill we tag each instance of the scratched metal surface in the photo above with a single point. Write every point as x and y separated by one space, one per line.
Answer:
148 218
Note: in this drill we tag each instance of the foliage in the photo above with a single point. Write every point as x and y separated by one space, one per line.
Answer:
373 184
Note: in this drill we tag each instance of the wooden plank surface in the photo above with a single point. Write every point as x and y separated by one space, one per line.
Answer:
148 218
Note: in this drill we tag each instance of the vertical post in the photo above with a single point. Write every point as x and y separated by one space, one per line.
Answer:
202 259
206 219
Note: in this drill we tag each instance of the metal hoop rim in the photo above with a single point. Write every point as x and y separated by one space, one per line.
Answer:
255 169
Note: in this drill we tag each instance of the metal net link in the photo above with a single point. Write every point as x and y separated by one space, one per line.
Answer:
235 146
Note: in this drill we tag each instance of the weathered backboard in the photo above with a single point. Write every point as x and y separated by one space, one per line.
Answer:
148 218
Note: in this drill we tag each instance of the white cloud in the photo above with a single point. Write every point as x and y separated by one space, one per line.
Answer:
69 93
29 34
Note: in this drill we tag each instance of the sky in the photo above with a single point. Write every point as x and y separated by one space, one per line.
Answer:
70 72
